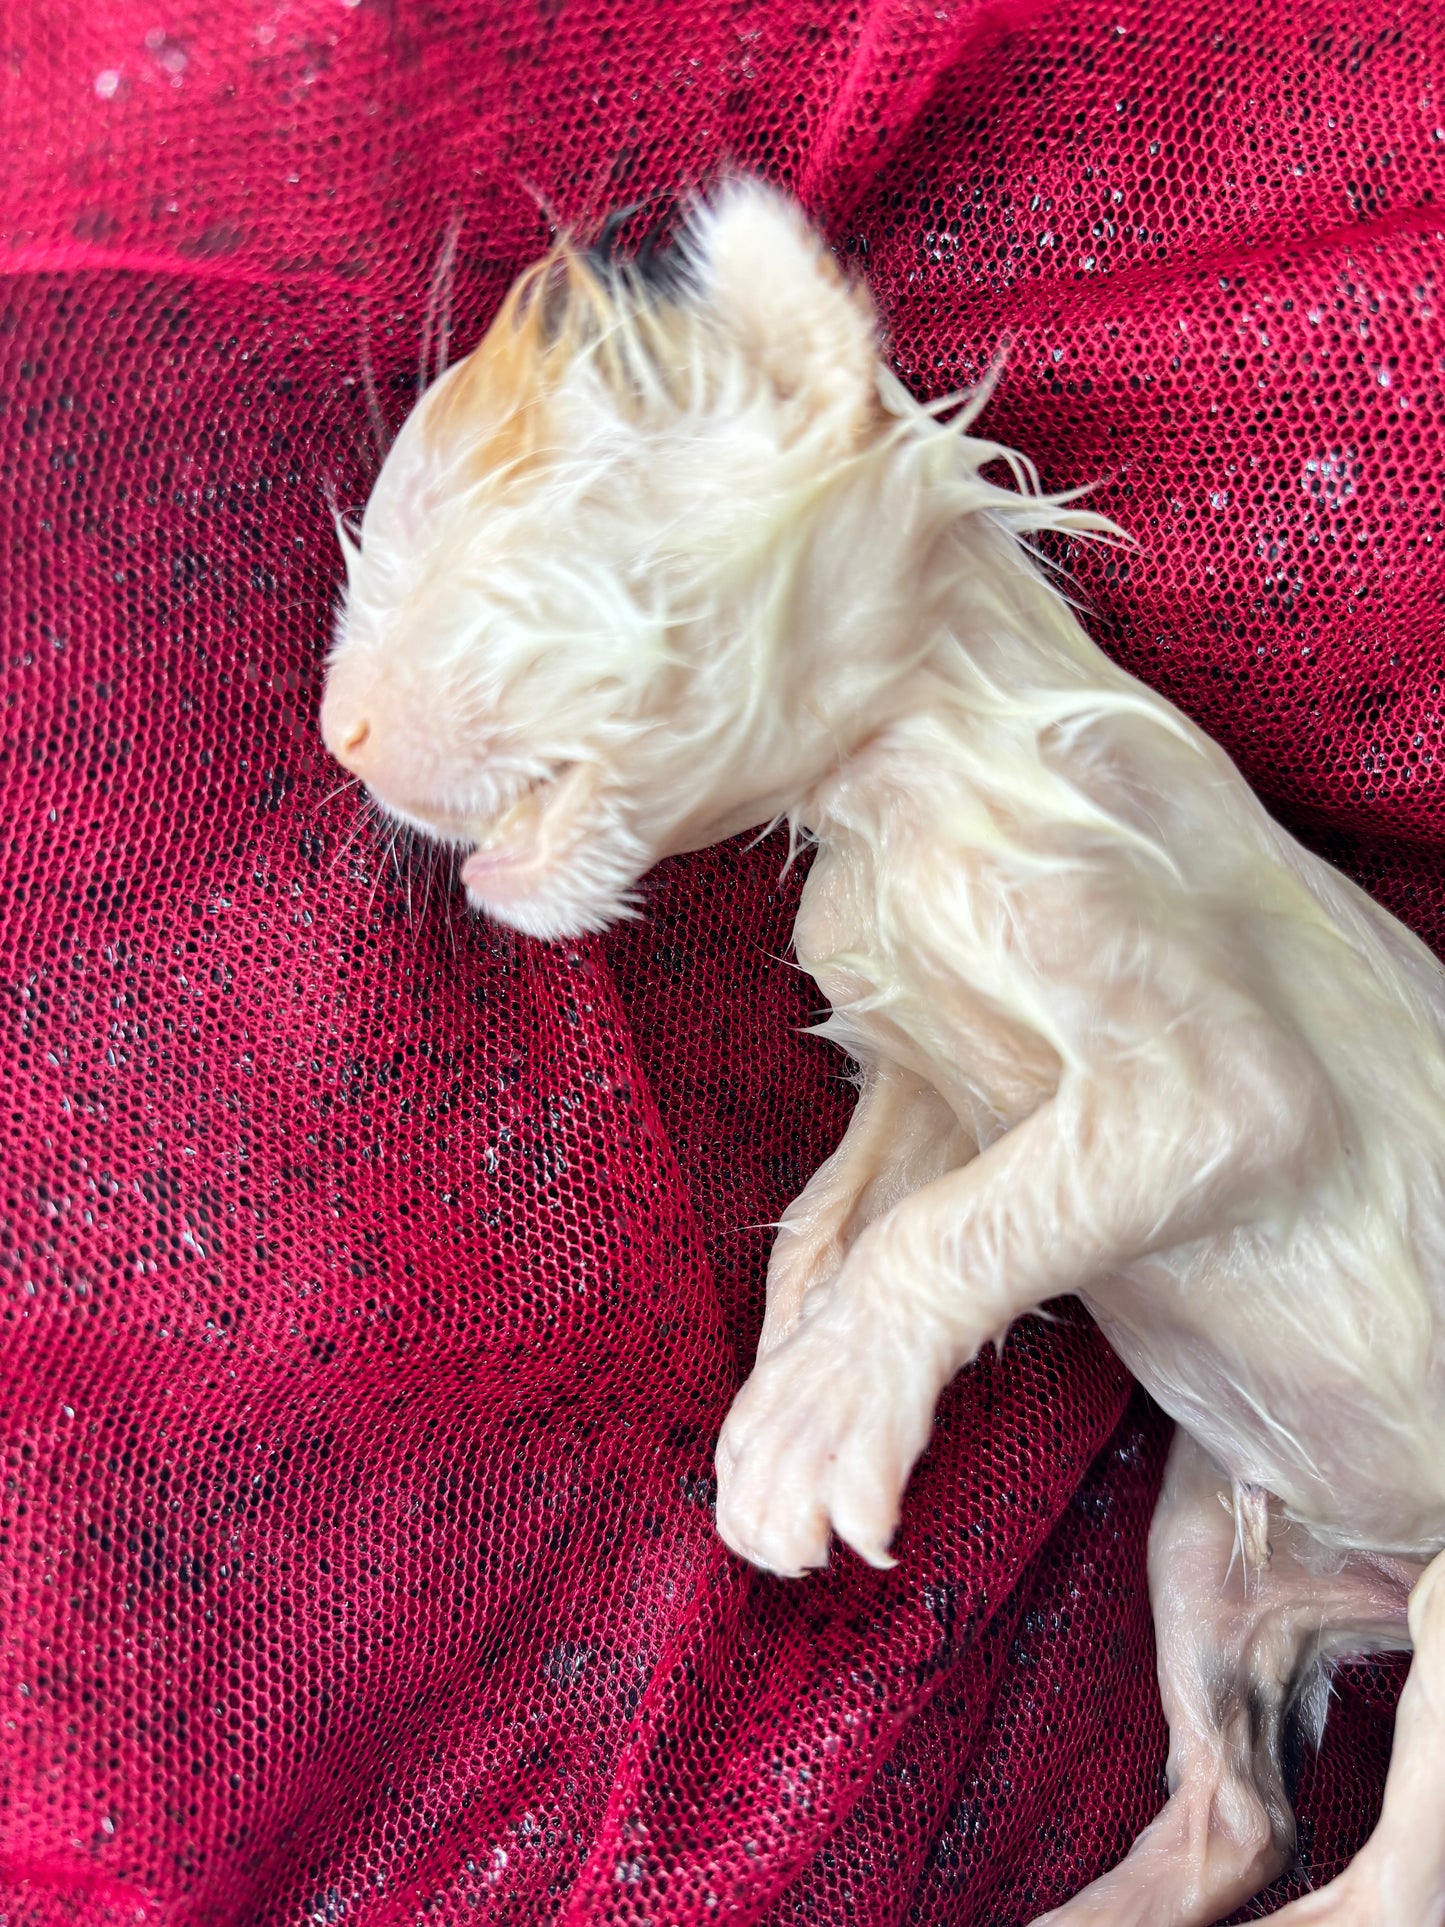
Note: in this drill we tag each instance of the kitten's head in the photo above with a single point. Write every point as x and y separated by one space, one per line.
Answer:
562 642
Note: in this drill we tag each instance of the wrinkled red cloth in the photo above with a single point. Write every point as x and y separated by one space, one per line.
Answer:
374 1284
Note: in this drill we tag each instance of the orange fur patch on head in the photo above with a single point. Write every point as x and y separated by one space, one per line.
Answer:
491 417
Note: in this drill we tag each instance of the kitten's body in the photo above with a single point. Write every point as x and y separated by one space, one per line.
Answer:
648 571
995 980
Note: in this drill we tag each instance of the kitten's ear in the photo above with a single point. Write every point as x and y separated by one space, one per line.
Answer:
771 283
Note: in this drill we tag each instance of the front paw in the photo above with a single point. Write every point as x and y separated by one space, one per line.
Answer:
823 1436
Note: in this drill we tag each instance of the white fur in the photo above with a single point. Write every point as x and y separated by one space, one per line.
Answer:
1123 1036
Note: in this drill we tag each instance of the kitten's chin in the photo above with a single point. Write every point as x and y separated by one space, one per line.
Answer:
532 896
567 870
549 908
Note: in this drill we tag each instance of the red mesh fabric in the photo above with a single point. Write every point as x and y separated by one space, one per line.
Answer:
374 1285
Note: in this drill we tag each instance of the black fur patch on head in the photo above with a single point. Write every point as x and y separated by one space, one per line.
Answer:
657 269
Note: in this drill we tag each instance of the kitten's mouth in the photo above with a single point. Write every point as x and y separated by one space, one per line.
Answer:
529 833
491 829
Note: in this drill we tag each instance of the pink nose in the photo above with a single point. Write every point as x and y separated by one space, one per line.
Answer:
345 730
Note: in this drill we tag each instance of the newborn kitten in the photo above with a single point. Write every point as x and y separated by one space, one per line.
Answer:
668 558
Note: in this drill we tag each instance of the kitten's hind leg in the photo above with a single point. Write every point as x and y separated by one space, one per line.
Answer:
1397 1879
1242 1656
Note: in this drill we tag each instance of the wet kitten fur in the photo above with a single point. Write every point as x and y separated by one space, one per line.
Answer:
657 564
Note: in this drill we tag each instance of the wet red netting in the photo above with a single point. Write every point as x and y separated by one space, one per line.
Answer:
374 1284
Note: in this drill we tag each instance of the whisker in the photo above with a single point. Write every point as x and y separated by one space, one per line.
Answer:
403 871
348 842
380 872
446 319
361 444
436 324
381 435
449 921
340 790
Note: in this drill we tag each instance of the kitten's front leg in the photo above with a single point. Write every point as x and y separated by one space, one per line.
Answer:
902 1135
1198 1138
